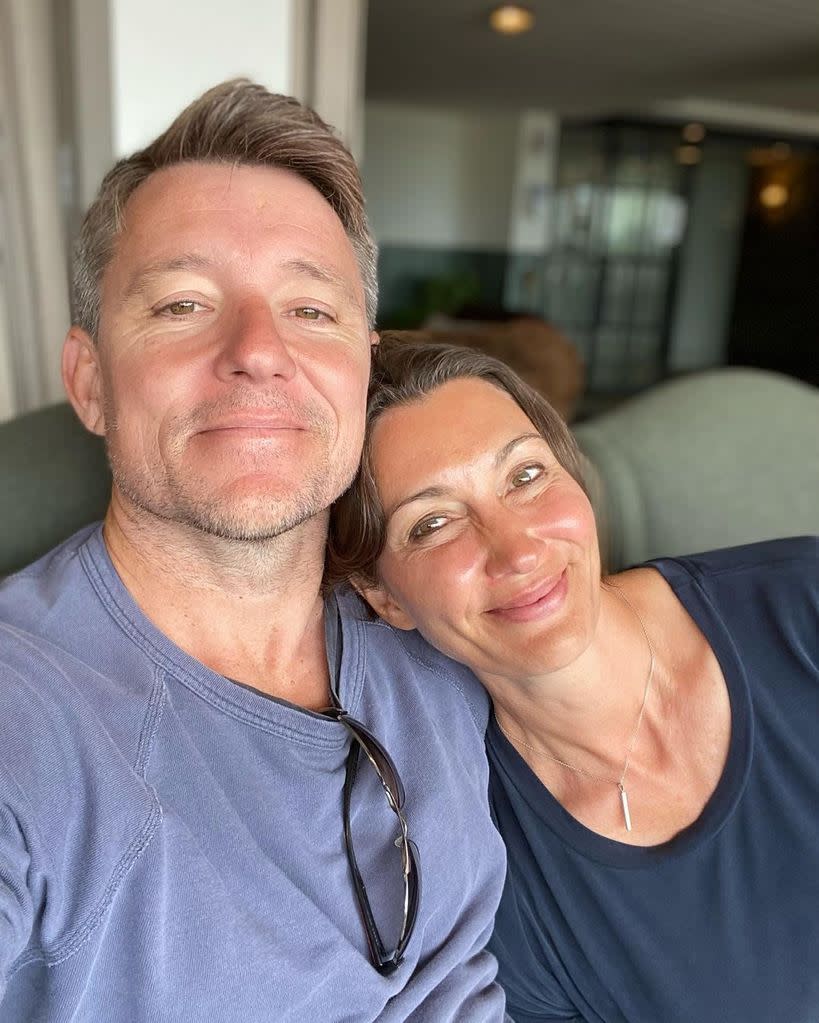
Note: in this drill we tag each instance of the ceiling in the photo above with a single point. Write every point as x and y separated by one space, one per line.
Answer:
598 57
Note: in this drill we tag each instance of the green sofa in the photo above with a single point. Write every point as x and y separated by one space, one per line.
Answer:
708 460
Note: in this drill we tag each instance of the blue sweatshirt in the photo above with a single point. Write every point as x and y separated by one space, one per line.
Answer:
171 843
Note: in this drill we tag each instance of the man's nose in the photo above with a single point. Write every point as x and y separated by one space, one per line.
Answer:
255 345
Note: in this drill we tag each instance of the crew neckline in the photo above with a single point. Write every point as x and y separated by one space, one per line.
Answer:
520 778
237 700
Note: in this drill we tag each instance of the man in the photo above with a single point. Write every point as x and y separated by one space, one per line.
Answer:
187 830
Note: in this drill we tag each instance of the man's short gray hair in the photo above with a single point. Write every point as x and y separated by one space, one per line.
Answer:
237 122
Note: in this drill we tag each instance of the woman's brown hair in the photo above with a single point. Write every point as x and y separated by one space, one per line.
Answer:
404 370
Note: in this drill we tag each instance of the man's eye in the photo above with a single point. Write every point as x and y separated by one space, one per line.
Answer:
182 307
309 312
427 526
528 474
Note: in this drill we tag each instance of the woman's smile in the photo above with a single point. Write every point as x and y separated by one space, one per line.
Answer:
535 602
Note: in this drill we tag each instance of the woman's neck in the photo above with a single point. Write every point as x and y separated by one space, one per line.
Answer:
584 713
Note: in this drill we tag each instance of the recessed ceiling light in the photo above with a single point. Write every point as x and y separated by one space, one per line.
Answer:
694 132
511 19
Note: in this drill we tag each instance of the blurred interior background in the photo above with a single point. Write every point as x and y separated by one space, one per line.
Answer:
621 192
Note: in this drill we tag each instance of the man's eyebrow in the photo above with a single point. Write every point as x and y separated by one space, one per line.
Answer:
324 275
437 491
144 276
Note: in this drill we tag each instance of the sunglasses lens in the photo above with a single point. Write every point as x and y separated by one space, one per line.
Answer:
381 761
394 790
414 885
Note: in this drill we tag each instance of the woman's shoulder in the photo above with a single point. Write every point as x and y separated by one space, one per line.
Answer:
760 592
776 564
799 554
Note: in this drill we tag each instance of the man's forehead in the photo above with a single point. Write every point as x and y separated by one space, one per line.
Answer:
202 186
190 215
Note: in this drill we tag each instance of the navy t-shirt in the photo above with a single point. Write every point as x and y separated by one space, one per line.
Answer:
721 923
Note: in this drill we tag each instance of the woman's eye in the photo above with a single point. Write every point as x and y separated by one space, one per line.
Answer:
427 526
528 474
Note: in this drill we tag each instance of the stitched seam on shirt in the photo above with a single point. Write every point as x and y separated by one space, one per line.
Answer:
150 725
73 942
358 671
33 823
177 672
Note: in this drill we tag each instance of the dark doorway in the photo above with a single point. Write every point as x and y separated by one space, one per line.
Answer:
776 307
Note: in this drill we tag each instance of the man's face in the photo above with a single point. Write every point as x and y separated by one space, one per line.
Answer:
233 351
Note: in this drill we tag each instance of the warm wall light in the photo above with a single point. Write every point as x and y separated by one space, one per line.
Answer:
774 196
511 19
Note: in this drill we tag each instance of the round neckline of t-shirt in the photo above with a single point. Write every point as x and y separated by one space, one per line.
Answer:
729 788
239 701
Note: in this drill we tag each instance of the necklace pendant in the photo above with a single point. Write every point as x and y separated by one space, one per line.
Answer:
624 804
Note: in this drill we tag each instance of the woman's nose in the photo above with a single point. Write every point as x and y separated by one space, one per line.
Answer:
254 345
511 549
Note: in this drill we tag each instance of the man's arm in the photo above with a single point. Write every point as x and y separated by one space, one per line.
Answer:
16 903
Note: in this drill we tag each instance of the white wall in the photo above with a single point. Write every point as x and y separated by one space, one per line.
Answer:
439 178
533 196
166 52
91 66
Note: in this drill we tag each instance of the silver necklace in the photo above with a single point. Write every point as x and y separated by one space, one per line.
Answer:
621 781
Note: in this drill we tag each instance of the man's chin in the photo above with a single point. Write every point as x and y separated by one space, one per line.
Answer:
253 518
250 521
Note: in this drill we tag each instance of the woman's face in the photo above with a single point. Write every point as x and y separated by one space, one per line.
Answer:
491 548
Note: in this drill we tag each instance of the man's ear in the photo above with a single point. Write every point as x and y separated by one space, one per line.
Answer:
82 378
383 604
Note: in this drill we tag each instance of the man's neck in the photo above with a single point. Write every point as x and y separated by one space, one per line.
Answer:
252 612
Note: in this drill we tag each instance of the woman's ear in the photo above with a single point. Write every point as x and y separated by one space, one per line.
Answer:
83 379
383 604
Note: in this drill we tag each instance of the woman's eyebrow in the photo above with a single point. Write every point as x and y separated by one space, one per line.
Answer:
507 449
419 495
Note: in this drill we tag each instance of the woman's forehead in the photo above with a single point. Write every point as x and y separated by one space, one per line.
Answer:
464 400
462 422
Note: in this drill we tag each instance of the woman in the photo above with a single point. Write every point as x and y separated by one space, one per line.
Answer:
653 753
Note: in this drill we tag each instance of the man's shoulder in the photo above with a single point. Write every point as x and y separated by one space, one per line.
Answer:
69 681
29 597
53 700
60 746
405 658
